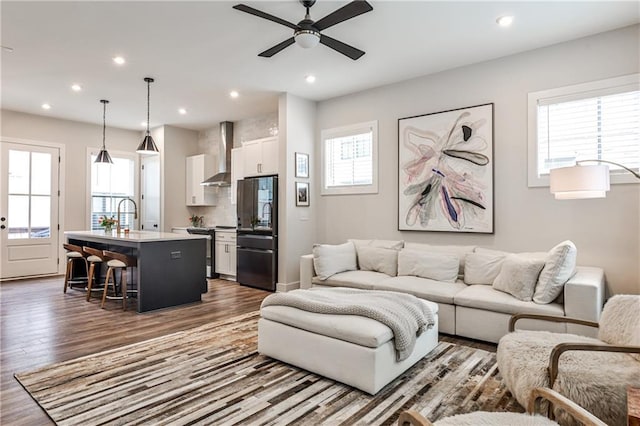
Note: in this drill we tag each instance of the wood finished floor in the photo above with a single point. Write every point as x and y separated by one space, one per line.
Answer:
40 325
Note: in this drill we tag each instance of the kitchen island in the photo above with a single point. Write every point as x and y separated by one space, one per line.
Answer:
171 268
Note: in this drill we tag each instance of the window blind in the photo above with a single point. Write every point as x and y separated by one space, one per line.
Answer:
602 127
109 185
349 160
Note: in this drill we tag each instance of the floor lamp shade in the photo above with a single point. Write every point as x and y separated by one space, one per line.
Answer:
567 183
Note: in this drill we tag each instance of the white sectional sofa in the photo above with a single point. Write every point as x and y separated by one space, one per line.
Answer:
478 298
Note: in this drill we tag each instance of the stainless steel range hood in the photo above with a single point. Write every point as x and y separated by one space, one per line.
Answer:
223 177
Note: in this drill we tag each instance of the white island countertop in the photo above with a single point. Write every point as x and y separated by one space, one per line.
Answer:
133 236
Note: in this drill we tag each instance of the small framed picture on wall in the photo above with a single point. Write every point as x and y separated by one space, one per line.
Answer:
302 165
302 194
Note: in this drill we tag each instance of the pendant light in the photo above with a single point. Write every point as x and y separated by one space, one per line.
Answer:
103 156
147 146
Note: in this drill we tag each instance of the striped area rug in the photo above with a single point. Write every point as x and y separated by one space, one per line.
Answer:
213 375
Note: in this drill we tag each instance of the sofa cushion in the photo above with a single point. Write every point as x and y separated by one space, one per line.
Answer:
424 288
459 251
482 268
354 279
331 259
389 244
426 264
538 255
559 266
378 259
518 276
487 298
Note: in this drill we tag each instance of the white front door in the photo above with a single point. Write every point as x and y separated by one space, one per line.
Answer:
150 197
28 210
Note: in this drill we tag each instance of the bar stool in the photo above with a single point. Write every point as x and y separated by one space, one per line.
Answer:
93 256
74 254
122 262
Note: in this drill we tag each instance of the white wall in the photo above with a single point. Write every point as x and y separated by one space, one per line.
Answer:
177 145
296 225
606 231
76 137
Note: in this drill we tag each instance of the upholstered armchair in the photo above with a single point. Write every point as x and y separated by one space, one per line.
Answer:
594 373
413 418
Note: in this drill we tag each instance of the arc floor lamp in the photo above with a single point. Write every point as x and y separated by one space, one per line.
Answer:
583 181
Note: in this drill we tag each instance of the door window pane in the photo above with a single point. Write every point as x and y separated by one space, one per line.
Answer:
18 172
40 217
40 173
18 216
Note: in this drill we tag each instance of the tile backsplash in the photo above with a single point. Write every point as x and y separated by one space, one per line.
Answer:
224 213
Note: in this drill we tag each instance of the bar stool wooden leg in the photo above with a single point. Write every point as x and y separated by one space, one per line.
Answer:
106 286
123 286
90 280
67 273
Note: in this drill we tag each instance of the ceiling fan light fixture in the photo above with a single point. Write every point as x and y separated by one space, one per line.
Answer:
307 38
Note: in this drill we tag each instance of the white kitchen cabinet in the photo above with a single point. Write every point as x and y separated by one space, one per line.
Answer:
199 168
260 157
237 172
226 253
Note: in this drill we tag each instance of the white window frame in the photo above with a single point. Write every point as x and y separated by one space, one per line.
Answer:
136 180
568 93
352 129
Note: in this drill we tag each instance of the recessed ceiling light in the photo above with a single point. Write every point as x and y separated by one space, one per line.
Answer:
234 94
76 87
143 124
46 106
310 78
119 60
182 111
505 21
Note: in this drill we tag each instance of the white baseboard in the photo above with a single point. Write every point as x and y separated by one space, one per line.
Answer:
284 287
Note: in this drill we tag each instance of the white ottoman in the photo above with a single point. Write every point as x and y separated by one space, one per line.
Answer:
351 349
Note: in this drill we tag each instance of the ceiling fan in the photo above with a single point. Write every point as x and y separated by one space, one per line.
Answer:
307 32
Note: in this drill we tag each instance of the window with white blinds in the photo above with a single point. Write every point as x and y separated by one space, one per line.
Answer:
111 183
349 157
593 121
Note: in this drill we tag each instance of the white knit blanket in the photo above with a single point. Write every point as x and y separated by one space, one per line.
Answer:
404 314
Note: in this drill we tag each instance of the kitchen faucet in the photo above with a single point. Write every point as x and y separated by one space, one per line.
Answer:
135 212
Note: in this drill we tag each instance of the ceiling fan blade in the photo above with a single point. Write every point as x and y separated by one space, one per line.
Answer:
261 14
341 47
348 11
278 47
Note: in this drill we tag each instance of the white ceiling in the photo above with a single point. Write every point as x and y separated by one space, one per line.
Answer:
199 51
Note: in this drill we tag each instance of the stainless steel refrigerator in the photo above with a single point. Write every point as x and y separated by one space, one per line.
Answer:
257 244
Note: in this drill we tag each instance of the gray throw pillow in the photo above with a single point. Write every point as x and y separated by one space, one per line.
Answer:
518 277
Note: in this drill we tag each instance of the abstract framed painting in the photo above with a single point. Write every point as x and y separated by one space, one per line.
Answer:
445 171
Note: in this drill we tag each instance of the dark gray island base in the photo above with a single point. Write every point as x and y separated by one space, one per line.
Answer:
171 267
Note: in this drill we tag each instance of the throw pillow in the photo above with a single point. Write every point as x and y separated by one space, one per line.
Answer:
331 259
436 266
378 259
388 244
559 267
480 268
459 251
518 277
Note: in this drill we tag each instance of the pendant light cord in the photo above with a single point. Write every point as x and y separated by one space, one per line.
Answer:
148 102
104 124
